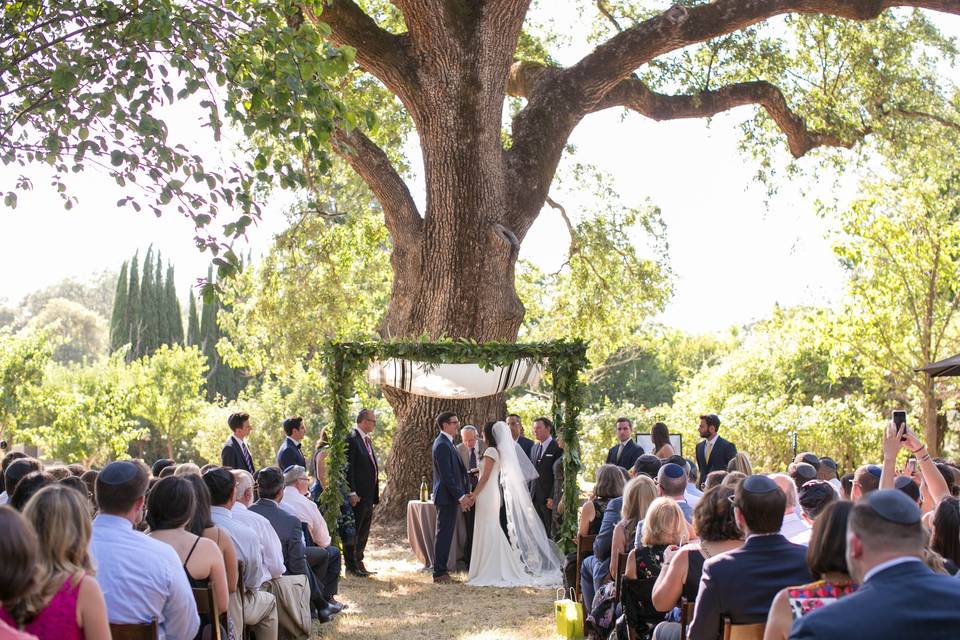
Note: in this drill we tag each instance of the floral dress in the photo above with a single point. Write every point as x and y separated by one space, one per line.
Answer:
636 596
811 597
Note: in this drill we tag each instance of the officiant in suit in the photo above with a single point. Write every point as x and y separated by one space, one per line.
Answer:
364 488
235 454
625 453
289 453
713 452
470 450
544 453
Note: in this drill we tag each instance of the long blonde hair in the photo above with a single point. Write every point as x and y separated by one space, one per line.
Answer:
664 523
60 515
639 493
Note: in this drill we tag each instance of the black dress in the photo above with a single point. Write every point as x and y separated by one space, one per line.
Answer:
197 584
636 595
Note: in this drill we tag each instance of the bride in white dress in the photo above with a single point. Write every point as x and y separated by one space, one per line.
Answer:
528 558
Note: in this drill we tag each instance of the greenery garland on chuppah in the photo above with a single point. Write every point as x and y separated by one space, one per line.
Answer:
345 363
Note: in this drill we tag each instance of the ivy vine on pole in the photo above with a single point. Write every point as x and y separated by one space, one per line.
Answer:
345 362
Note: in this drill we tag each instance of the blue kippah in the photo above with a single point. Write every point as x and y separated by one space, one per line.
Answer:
874 470
672 470
806 471
117 473
894 506
758 484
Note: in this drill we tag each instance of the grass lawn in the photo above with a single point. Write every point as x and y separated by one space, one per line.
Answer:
401 602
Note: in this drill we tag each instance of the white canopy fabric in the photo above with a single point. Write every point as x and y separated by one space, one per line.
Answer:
453 381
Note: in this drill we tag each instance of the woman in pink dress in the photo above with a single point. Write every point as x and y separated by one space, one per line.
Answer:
18 553
67 603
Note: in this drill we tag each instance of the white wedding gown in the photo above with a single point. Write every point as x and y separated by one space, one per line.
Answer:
494 561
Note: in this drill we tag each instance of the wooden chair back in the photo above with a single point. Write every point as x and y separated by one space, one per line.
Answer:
621 569
146 631
742 631
686 615
207 605
584 548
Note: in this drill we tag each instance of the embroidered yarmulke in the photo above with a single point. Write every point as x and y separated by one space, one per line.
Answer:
758 484
894 506
117 473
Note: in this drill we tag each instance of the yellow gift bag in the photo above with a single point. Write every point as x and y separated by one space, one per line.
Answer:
569 616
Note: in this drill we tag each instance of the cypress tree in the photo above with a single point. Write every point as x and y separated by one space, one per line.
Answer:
119 330
148 314
160 304
133 310
172 309
209 335
193 323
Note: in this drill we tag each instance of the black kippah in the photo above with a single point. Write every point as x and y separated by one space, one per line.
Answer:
806 471
811 459
117 473
758 484
908 486
894 506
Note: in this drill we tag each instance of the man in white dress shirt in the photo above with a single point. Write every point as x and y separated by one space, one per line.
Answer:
323 558
259 607
793 524
292 592
141 578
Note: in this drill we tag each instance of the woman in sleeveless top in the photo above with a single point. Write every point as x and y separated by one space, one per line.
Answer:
18 548
714 524
169 508
826 560
318 466
68 603
638 495
609 485
660 436
201 524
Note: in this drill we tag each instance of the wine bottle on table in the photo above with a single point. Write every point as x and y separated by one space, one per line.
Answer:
424 491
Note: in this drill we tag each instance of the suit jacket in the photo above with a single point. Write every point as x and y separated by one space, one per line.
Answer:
464 454
742 583
543 486
449 474
631 451
721 455
232 456
288 530
604 539
290 453
903 601
361 471
526 444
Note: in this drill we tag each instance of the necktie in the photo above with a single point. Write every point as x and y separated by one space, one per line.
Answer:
473 465
536 456
246 455
619 452
709 450
366 440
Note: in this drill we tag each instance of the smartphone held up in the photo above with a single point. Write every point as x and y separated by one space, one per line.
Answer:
900 422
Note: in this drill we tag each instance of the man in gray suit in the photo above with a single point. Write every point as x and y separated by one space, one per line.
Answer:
470 450
270 484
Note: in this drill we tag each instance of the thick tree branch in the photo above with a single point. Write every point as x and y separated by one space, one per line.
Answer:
400 213
635 95
385 55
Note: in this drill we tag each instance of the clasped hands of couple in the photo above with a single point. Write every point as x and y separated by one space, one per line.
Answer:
467 501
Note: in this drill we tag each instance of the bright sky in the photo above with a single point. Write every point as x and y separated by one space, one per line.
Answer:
733 256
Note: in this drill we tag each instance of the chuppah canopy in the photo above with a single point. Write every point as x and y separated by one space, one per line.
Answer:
948 367
454 381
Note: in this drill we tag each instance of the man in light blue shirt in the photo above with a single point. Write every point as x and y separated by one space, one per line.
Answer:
141 578
259 607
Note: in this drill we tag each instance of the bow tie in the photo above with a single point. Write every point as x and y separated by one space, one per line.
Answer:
298 445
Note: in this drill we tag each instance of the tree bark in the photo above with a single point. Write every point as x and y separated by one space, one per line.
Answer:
932 435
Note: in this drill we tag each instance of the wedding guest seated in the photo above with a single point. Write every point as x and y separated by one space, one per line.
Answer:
287 527
28 486
638 495
169 508
672 483
945 533
713 479
846 486
323 557
660 435
741 463
58 472
201 524
168 471
826 559
733 479
15 471
910 488
90 479
269 542
663 526
7 461
160 465
814 497
141 578
67 603
809 457
609 485
259 607
828 471
596 567
76 484
646 465
18 553
899 596
801 473
692 493
715 525
865 480
742 583
187 468
793 524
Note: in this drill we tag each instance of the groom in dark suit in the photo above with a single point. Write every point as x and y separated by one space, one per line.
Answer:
545 452
450 492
